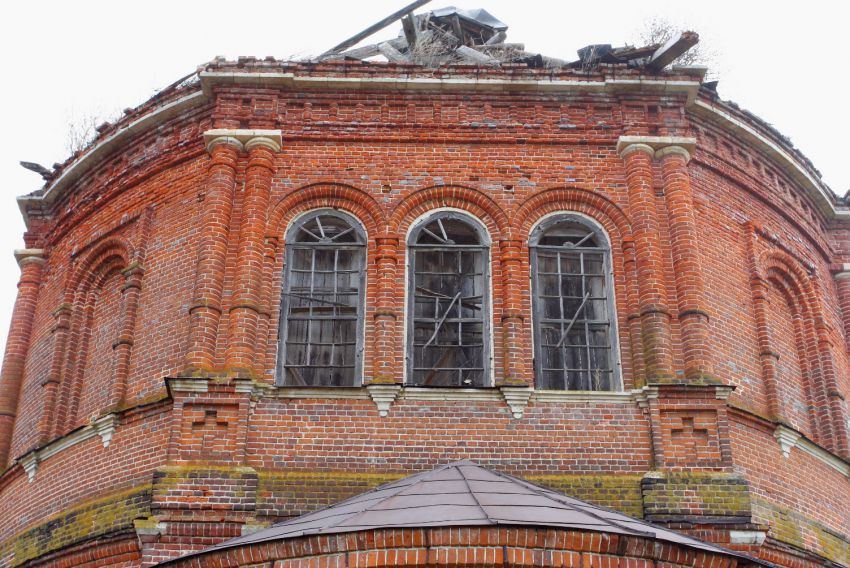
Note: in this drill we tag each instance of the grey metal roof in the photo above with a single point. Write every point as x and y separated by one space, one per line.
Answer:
464 494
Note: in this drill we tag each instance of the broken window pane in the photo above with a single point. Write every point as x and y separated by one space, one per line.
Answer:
322 307
449 295
572 303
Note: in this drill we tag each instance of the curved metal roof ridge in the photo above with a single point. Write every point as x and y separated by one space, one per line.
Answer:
436 498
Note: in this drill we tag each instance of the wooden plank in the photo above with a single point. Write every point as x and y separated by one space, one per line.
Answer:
475 56
408 23
392 54
499 37
357 38
668 52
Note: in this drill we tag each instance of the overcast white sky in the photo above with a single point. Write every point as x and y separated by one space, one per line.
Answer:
63 60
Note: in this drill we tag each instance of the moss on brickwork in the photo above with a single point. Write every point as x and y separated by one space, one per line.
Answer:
86 521
684 495
620 492
284 494
201 486
800 531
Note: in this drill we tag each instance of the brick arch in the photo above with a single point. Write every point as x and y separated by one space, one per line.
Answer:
112 249
567 199
466 199
792 281
107 258
338 196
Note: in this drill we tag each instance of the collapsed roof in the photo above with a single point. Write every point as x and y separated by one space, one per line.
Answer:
451 35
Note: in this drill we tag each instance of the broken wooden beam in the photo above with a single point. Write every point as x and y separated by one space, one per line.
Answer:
411 34
357 38
498 37
475 56
667 53
392 54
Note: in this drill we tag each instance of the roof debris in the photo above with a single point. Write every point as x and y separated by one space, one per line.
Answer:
451 35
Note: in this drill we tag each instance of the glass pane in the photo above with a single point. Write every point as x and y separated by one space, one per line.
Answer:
571 299
448 306
323 300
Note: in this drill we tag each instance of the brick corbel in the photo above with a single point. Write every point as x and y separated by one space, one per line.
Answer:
383 396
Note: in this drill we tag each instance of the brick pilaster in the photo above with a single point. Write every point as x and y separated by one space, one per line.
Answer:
209 280
17 345
652 296
514 367
386 344
693 317
245 310
123 344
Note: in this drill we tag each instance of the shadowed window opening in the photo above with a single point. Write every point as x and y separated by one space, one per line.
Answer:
573 306
448 330
322 305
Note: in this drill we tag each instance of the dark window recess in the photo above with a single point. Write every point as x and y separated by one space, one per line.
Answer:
322 305
448 330
574 326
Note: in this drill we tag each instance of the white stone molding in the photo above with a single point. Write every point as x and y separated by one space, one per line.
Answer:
451 394
189 385
572 397
627 149
383 396
247 138
672 150
349 393
272 143
223 141
103 427
723 392
747 537
658 143
517 399
644 395
789 438
29 256
844 274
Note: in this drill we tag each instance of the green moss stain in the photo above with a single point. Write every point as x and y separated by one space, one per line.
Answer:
88 520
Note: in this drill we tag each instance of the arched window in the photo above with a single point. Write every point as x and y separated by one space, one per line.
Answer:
448 323
322 306
574 326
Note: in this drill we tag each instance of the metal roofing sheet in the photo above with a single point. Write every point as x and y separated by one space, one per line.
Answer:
463 494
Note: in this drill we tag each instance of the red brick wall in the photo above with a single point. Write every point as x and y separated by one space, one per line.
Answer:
387 158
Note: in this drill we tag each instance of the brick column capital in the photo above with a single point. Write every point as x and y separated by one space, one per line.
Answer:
842 272
673 151
243 138
657 145
625 150
29 256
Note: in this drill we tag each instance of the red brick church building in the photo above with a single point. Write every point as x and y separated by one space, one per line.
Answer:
278 285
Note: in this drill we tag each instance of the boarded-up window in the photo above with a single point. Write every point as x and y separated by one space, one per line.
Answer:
448 333
322 306
573 307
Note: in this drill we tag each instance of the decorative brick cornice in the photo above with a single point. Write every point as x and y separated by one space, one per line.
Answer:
789 438
103 427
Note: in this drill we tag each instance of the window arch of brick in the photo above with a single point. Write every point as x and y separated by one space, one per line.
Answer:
448 311
611 219
574 321
322 305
